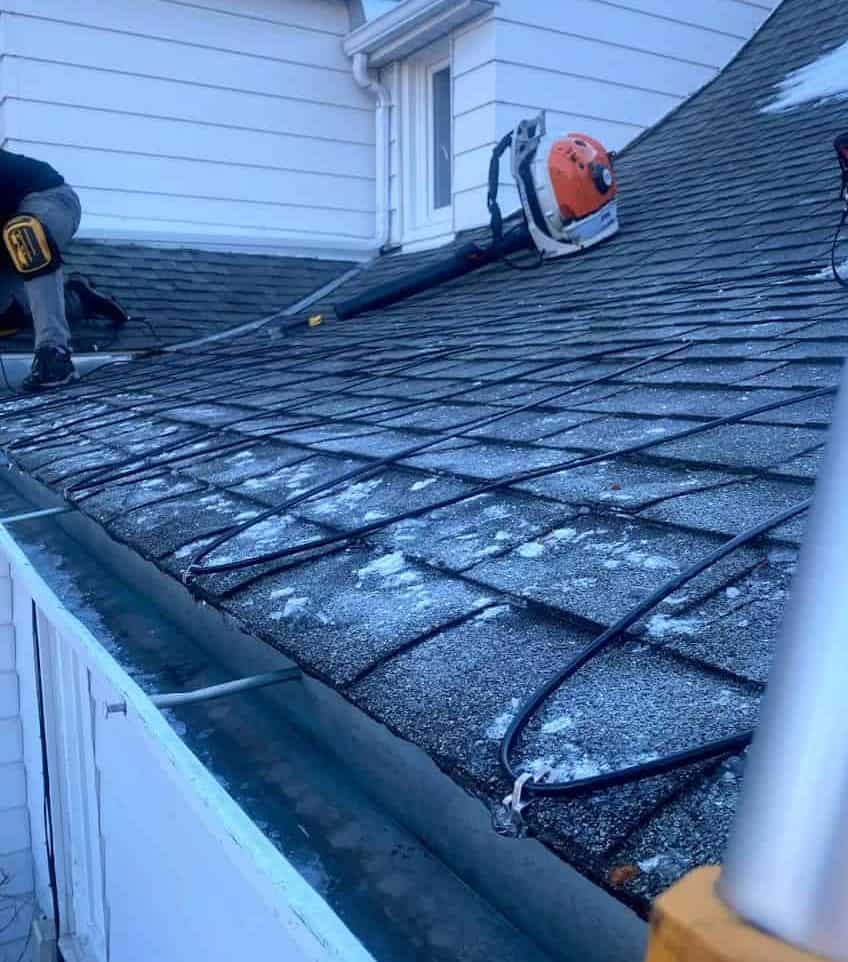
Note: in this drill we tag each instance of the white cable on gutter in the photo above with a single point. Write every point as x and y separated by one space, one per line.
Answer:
227 688
32 515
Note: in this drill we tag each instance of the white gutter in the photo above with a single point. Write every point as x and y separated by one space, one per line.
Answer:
367 81
15 367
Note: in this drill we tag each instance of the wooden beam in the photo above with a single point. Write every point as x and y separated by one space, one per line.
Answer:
690 923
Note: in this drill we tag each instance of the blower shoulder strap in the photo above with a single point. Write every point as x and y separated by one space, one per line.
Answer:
492 196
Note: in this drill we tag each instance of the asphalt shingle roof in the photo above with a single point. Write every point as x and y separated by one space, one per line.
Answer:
438 626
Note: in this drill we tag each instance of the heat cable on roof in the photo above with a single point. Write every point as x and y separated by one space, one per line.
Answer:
360 474
166 454
665 763
197 570
92 481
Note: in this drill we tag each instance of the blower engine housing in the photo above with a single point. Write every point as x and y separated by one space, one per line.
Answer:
567 186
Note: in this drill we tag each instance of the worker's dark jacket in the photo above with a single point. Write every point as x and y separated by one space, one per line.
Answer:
20 176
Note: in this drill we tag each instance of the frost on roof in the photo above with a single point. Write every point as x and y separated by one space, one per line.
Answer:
826 273
823 79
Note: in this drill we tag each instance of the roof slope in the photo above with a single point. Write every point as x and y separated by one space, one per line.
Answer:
176 295
439 625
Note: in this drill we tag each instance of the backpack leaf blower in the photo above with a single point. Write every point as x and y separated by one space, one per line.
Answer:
568 192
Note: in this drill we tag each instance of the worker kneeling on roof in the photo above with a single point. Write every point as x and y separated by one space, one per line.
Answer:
40 214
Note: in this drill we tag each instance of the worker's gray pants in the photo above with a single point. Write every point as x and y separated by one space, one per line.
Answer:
44 296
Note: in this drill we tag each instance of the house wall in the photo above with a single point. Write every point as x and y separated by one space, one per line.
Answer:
16 865
209 117
607 69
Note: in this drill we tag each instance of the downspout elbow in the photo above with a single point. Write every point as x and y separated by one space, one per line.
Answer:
368 81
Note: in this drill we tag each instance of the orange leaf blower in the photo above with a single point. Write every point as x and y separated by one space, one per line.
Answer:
567 187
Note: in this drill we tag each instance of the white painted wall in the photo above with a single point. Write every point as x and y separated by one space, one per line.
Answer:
16 864
200 117
608 69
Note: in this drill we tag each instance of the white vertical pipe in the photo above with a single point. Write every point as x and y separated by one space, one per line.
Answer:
785 868
365 79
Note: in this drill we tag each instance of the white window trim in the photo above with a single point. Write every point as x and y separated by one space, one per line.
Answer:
422 225
436 214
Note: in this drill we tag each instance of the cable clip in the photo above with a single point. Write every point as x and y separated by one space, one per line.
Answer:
506 817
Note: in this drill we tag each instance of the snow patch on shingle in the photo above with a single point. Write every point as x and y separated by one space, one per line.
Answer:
661 626
823 79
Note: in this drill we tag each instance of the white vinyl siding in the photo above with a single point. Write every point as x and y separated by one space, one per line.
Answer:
609 69
202 117
475 121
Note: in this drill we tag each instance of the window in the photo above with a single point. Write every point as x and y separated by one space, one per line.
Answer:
426 146
441 134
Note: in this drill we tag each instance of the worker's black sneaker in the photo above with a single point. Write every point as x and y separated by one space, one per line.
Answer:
51 367
94 304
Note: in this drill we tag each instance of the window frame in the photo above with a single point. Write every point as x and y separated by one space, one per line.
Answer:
421 220
432 70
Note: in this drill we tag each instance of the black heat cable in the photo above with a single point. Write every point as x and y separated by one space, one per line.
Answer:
143 462
142 379
222 362
141 411
155 406
359 474
222 357
536 700
195 570
605 303
376 465
658 766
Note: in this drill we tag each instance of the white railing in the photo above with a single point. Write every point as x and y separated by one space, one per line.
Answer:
152 859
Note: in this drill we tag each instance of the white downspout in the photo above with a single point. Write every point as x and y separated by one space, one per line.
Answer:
367 81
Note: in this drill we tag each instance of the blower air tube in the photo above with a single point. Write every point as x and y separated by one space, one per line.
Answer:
465 259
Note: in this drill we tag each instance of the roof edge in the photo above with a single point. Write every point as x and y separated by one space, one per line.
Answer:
321 248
